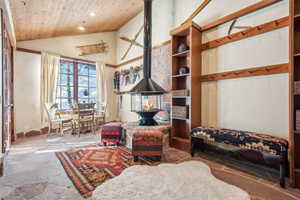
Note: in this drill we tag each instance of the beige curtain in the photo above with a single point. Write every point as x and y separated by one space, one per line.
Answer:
102 86
49 75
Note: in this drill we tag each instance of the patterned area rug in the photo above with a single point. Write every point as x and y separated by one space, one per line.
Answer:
89 167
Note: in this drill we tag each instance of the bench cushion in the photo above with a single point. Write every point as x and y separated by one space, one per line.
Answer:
243 139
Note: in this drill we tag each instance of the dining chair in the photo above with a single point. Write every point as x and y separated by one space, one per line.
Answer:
100 115
57 121
84 117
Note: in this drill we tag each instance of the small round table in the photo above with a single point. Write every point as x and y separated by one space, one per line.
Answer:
132 127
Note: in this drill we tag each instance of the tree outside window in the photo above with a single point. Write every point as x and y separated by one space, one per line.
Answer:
76 83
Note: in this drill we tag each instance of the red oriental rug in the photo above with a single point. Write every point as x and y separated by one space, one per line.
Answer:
89 167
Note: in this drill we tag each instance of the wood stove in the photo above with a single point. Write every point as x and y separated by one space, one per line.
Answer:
146 96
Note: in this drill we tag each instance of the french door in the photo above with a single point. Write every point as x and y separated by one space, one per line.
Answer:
8 100
6 93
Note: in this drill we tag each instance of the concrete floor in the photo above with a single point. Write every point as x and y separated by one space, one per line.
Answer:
32 171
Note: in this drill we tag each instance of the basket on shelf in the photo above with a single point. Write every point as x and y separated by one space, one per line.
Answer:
297 87
298 120
179 93
180 112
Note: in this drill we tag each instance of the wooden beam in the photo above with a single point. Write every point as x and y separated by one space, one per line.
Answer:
240 13
255 71
28 50
267 27
63 57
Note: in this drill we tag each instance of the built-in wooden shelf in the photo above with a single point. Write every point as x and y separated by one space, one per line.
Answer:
180 75
182 125
294 145
182 54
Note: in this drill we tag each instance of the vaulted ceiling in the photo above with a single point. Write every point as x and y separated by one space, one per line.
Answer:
36 19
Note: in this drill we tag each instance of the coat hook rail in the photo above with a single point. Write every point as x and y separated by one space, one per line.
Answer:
260 29
255 71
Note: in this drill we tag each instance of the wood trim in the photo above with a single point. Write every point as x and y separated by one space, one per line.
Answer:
130 61
255 71
140 57
63 57
240 13
32 133
28 50
292 147
260 29
77 60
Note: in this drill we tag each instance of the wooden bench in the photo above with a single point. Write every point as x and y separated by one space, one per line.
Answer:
271 148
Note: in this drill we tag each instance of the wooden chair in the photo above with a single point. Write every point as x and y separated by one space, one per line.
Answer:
57 121
84 117
100 115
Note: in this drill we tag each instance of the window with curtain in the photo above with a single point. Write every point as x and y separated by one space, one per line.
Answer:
76 83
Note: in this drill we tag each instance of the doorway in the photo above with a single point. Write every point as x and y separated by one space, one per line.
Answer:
6 93
8 103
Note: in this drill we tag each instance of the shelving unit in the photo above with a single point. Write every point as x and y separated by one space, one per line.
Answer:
294 156
190 34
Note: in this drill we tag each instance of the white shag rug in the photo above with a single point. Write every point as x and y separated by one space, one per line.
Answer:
190 180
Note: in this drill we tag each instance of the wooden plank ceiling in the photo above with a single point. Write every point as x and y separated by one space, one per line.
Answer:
36 19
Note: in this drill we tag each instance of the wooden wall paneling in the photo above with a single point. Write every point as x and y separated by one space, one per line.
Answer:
260 29
240 13
50 18
255 71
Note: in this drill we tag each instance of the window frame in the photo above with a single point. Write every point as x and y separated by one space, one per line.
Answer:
75 86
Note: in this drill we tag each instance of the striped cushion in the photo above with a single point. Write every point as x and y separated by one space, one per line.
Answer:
147 143
111 132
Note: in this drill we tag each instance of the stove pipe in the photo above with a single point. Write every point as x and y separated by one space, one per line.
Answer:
147 85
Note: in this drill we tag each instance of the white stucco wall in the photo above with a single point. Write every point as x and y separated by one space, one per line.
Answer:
255 103
27 91
162 20
66 46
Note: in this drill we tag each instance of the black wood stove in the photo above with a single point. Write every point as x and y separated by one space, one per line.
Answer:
146 96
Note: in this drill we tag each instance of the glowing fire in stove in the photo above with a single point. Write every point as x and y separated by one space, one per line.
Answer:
148 106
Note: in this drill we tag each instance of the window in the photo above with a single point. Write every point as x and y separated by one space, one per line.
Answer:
76 83
87 86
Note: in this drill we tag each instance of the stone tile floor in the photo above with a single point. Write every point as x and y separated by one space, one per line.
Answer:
32 171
